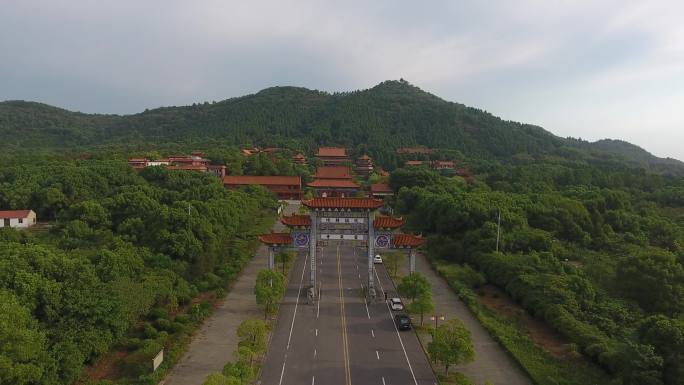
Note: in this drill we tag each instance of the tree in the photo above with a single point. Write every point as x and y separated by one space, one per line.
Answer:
451 344
391 261
423 304
284 258
269 287
413 286
252 335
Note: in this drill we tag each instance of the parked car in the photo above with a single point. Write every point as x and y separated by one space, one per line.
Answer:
395 304
377 258
403 321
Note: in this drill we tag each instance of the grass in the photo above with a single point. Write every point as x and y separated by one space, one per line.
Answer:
542 368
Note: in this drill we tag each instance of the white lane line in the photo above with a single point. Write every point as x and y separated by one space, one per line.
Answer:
315 352
383 381
398 335
366 304
316 332
318 306
372 333
377 354
359 276
301 280
282 371
313 380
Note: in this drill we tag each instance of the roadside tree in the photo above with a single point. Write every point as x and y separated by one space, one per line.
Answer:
451 344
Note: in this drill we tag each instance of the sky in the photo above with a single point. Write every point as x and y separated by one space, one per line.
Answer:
587 69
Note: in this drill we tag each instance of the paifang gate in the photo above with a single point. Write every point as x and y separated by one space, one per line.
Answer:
343 220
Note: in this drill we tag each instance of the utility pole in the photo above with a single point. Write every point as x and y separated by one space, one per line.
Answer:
498 229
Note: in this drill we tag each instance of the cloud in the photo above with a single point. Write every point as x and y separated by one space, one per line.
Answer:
580 68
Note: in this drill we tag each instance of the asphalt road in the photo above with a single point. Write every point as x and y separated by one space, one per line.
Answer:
340 339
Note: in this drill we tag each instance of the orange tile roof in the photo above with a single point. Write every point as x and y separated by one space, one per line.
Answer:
188 167
6 214
332 151
365 157
262 180
333 172
337 183
385 222
343 203
407 240
381 188
296 220
276 238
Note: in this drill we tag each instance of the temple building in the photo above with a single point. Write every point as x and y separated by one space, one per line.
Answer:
332 156
299 159
193 162
364 165
414 150
380 191
334 181
285 187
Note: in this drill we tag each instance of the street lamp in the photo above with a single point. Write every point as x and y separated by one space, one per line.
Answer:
436 317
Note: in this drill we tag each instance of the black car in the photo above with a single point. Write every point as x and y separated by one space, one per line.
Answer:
403 322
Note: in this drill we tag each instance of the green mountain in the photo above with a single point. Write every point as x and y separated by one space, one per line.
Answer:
378 120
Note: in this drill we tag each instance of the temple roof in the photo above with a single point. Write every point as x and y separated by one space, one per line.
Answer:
381 188
296 220
276 238
333 172
332 151
343 203
385 222
407 240
335 183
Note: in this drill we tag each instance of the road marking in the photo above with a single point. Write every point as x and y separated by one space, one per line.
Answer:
318 307
345 343
377 354
313 380
315 352
372 333
366 304
383 381
359 276
301 280
282 371
316 332
397 330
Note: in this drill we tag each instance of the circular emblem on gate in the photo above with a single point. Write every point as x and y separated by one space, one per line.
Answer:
301 239
382 241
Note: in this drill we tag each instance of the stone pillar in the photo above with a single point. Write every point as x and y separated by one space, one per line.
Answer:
412 261
371 272
271 261
313 243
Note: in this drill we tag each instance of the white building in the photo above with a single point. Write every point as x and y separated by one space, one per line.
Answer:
17 218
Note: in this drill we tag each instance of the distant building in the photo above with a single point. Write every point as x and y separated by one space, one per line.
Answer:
332 156
364 165
285 187
193 162
443 165
414 150
415 163
299 159
380 190
334 181
17 218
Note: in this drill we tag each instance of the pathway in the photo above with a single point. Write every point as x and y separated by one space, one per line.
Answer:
213 345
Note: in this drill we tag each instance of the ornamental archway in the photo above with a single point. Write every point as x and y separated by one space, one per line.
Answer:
342 219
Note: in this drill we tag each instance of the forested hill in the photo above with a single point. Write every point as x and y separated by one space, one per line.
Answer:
390 115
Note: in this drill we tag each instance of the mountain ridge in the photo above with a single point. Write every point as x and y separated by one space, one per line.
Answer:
392 113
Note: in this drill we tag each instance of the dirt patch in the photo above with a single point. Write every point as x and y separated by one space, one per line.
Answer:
541 333
107 366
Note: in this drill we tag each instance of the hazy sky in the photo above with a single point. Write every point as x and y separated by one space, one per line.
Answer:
589 69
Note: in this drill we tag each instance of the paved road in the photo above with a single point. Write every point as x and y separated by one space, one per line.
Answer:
492 363
213 346
339 339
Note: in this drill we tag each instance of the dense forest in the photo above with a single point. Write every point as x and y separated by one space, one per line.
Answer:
597 253
121 246
378 120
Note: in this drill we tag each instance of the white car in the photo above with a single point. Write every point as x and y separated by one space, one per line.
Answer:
377 258
395 304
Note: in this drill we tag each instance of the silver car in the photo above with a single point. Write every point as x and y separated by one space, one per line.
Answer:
395 304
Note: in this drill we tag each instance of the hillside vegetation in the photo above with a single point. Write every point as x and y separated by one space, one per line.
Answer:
390 115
